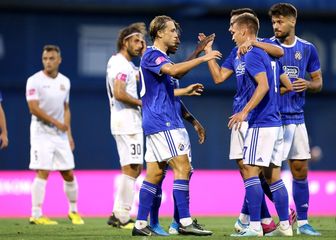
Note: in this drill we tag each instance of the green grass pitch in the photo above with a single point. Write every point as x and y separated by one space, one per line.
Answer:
97 229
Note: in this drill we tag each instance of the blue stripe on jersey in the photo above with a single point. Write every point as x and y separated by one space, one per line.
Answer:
299 58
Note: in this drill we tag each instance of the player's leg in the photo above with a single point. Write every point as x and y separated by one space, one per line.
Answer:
130 150
298 155
41 156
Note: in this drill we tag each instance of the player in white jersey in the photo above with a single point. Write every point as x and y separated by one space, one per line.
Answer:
121 81
47 94
300 57
3 127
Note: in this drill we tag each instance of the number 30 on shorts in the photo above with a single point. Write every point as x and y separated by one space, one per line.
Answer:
135 149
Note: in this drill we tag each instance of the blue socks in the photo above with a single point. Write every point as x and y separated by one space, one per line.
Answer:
254 195
146 198
301 198
181 196
280 199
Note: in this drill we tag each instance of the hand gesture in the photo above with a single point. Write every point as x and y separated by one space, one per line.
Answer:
244 48
205 42
195 89
213 54
300 85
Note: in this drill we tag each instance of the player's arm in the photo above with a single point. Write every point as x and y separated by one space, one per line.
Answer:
67 121
35 110
119 92
218 74
272 49
3 129
197 125
286 84
195 89
259 93
178 69
314 85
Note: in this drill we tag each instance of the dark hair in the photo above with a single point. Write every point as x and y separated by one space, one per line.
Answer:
138 27
283 9
49 48
159 23
239 11
249 20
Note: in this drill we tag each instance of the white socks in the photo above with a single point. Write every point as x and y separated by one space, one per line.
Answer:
124 198
71 191
37 193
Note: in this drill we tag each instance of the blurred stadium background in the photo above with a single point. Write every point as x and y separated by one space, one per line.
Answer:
86 31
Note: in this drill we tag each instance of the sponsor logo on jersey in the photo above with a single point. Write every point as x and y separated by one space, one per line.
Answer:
291 71
160 60
121 76
240 70
298 55
31 91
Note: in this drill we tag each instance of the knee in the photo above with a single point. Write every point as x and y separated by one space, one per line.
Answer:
299 171
68 175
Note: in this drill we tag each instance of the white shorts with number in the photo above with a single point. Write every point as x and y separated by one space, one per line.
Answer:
163 146
130 148
296 144
50 150
237 141
263 146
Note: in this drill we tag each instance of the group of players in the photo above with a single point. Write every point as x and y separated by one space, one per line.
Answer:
266 128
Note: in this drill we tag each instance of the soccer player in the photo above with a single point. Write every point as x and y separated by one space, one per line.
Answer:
166 138
121 81
300 57
191 90
264 139
3 127
47 94
221 74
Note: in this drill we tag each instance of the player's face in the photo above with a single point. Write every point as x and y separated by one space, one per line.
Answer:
173 49
135 45
232 19
51 61
237 34
169 34
282 26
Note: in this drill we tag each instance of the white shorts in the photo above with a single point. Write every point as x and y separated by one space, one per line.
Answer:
263 146
130 148
296 145
237 141
163 146
51 152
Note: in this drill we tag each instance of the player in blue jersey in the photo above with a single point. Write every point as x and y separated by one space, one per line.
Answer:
3 127
258 76
166 138
220 74
300 57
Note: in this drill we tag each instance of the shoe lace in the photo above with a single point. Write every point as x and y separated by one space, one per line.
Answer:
197 225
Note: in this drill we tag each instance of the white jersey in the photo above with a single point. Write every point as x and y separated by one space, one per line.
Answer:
51 93
125 119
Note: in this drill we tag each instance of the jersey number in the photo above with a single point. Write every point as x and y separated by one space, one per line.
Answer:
136 149
273 64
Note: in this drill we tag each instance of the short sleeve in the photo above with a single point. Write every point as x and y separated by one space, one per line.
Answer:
254 63
154 60
313 61
32 90
228 63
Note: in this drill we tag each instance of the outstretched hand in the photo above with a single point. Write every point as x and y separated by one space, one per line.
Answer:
206 41
195 89
213 54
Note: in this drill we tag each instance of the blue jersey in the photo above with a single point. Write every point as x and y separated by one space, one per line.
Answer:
299 58
266 113
235 64
159 111
178 100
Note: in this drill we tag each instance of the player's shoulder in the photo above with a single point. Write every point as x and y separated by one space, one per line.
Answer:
63 78
118 61
36 77
303 41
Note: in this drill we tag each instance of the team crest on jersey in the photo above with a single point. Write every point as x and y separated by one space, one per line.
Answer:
298 55
291 71
62 87
240 70
181 146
